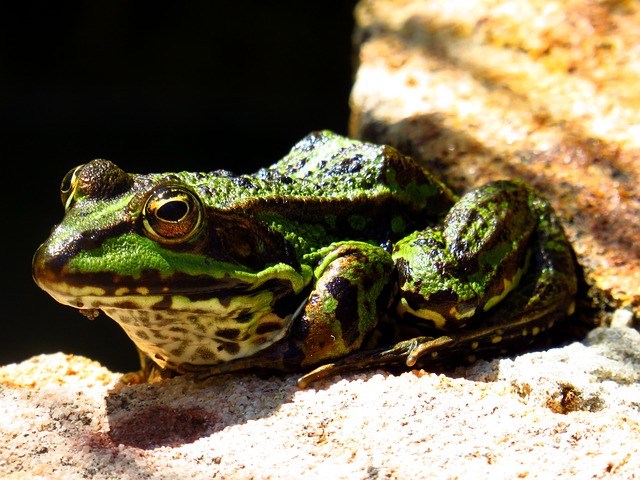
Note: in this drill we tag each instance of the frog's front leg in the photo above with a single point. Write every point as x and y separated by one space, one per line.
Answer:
342 310
352 290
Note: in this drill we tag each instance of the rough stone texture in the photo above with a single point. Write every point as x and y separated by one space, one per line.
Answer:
571 412
542 90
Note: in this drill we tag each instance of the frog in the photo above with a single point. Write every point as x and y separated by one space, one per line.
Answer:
343 255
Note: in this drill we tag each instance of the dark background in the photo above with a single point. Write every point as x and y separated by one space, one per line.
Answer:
153 86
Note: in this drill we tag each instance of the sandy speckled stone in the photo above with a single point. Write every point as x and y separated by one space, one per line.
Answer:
542 90
63 416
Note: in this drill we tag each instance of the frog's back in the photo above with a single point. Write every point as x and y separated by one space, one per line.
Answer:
331 188
326 167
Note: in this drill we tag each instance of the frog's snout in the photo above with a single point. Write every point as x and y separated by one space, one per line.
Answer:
40 267
46 268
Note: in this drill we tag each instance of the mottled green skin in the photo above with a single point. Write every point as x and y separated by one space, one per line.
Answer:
339 248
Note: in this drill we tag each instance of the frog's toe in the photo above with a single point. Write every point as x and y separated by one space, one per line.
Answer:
316 374
422 346
133 378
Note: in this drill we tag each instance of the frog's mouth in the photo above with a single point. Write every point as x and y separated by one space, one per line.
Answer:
149 290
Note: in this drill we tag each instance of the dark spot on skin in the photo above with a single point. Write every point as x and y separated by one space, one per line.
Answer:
204 353
142 334
164 304
158 334
346 312
195 322
441 300
257 341
383 301
177 352
228 333
403 270
229 347
244 316
243 182
289 303
225 300
178 329
141 317
161 317
268 327
126 305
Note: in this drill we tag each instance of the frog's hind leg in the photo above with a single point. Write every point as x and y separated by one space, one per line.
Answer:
544 297
492 338
500 272
450 275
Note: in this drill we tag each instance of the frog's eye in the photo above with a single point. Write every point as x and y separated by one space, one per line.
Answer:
172 214
68 186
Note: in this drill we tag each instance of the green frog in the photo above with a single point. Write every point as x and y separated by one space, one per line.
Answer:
343 255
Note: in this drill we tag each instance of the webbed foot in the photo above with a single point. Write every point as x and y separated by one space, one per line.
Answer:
406 352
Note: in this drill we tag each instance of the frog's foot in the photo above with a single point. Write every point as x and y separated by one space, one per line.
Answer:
133 378
406 352
147 376
149 372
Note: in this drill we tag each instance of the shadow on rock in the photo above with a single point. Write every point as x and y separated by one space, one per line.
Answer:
178 411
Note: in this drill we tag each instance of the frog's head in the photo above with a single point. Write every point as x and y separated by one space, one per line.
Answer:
188 281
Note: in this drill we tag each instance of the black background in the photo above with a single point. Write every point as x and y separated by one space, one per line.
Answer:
153 86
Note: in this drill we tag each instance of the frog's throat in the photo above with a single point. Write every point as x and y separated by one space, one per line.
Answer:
175 336
174 329
202 328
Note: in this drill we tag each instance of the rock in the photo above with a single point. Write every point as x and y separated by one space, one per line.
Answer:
539 90
576 407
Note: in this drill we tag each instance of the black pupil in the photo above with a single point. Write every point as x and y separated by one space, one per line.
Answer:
172 211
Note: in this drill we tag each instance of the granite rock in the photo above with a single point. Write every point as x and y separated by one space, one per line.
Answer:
567 412
540 90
